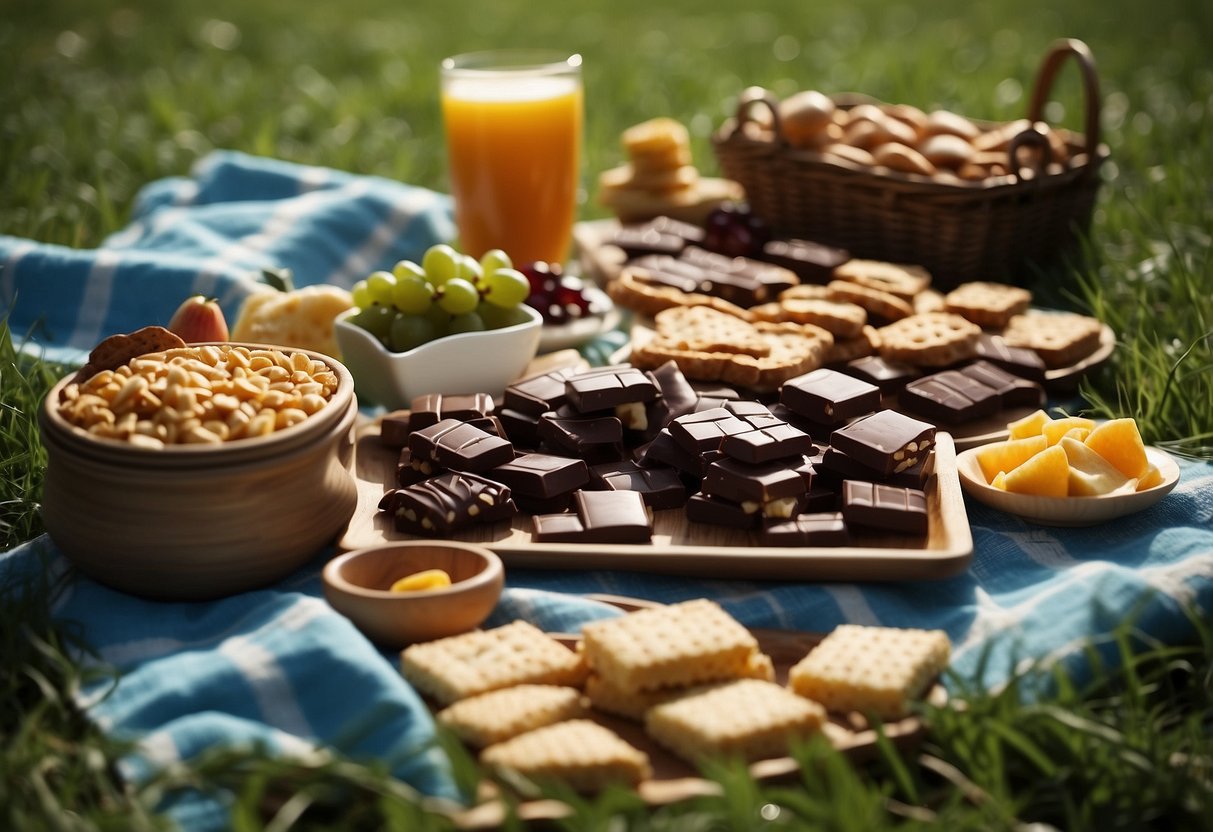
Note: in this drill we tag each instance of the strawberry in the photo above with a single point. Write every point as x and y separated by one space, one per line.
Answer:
199 319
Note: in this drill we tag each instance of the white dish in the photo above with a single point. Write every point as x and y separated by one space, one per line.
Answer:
470 362
1066 511
575 333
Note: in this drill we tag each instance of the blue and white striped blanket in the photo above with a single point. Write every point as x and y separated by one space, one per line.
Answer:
278 667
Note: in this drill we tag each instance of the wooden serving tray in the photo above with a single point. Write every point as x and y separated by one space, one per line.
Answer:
673 779
680 547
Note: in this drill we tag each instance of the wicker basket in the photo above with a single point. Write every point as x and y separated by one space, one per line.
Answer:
958 230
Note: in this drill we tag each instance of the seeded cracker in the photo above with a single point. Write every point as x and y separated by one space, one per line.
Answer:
673 646
606 697
875 670
580 753
749 718
483 660
498 715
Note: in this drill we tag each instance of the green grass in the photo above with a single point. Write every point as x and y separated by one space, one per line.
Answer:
101 97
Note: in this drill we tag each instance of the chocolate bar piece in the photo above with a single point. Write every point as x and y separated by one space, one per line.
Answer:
704 508
541 475
458 446
916 475
558 528
1018 360
886 441
756 413
520 428
819 432
889 376
394 429
609 387
450 501
949 398
676 397
704 430
543 505
664 451
777 441
432 408
580 436
660 487
662 270
740 280
820 497
537 394
811 262
409 471
829 397
689 232
638 240
1012 390
840 466
884 507
824 529
742 482
612 517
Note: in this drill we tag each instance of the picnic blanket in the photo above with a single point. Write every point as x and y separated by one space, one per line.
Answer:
278 667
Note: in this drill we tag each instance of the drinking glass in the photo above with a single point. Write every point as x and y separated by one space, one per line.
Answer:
513 121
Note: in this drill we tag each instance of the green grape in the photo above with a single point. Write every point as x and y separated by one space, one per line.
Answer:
441 263
469 270
376 320
458 296
507 288
409 332
493 316
381 285
407 267
495 259
467 322
361 295
514 315
439 318
413 293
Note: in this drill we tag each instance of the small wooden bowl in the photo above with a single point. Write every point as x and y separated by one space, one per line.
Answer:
196 522
357 585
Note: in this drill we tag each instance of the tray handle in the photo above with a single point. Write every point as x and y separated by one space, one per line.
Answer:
750 98
1047 74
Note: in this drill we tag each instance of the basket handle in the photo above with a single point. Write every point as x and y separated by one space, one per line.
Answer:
1029 137
751 97
1047 74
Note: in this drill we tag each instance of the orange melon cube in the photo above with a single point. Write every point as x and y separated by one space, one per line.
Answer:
1077 433
1007 455
1090 474
1058 428
1047 474
1118 441
1150 478
1029 425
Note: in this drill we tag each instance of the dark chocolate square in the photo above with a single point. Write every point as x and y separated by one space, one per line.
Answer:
827 529
885 507
778 441
609 387
949 398
889 376
1022 362
829 397
458 446
886 441
704 508
451 501
432 408
541 475
660 487
704 430
613 516
740 481
536 395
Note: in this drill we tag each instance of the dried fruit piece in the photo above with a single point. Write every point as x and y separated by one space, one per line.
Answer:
1030 425
1119 442
1047 474
1053 431
1008 455
421 581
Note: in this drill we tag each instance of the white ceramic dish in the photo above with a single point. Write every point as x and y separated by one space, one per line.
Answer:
575 333
471 362
1066 511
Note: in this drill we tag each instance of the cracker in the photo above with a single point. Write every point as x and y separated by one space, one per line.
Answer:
658 181
579 753
750 718
692 204
928 300
866 343
117 350
873 670
672 646
989 305
657 135
1059 338
934 339
878 303
805 291
608 697
840 319
648 299
460 666
904 281
702 329
498 715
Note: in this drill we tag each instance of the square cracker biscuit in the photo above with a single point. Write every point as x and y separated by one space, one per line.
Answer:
673 646
1059 338
874 670
580 753
498 715
750 718
483 660
607 697
989 305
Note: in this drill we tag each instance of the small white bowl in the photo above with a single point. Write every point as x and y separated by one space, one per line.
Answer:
1066 511
470 362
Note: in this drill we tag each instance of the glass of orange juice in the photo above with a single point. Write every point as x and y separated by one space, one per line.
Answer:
513 123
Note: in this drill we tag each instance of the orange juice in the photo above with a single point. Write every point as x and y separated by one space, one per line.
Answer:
514 144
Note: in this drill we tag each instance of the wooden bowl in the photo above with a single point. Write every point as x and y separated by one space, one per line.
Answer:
357 585
199 522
